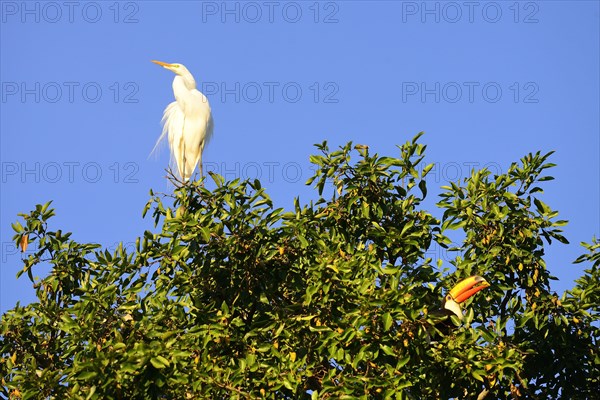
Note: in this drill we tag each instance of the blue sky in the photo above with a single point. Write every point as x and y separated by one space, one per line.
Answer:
488 82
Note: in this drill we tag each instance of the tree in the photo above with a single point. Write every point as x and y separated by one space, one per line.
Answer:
232 298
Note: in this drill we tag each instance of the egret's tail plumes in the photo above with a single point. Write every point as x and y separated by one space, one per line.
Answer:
173 123
165 130
172 129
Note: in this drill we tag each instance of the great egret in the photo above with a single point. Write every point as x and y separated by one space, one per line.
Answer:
187 121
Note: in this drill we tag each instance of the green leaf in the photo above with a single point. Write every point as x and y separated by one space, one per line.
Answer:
86 375
402 362
303 241
17 227
387 321
159 362
477 375
387 350
91 392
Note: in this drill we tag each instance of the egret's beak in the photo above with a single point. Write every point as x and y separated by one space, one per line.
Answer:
162 64
467 288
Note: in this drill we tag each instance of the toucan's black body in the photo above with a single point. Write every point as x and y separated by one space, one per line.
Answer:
444 325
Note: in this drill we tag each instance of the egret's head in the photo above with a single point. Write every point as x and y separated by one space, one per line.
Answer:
462 292
179 69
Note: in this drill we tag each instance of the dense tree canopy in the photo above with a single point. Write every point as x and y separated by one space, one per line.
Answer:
232 298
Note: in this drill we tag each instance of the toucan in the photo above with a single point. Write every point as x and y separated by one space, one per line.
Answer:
451 305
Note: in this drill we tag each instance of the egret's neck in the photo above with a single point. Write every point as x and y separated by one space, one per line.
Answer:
182 89
186 80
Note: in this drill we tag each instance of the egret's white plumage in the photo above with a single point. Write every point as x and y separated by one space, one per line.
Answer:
187 122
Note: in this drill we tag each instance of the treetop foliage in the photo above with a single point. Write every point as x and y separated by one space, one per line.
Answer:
233 298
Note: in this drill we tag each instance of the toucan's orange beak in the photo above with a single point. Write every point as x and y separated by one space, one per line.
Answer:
467 288
162 64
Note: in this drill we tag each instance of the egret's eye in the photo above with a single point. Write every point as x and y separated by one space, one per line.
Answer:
176 65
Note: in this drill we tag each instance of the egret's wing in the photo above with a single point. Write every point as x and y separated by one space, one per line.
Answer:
197 129
200 111
210 126
194 133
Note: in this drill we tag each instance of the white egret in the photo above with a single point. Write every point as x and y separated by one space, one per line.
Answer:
187 122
